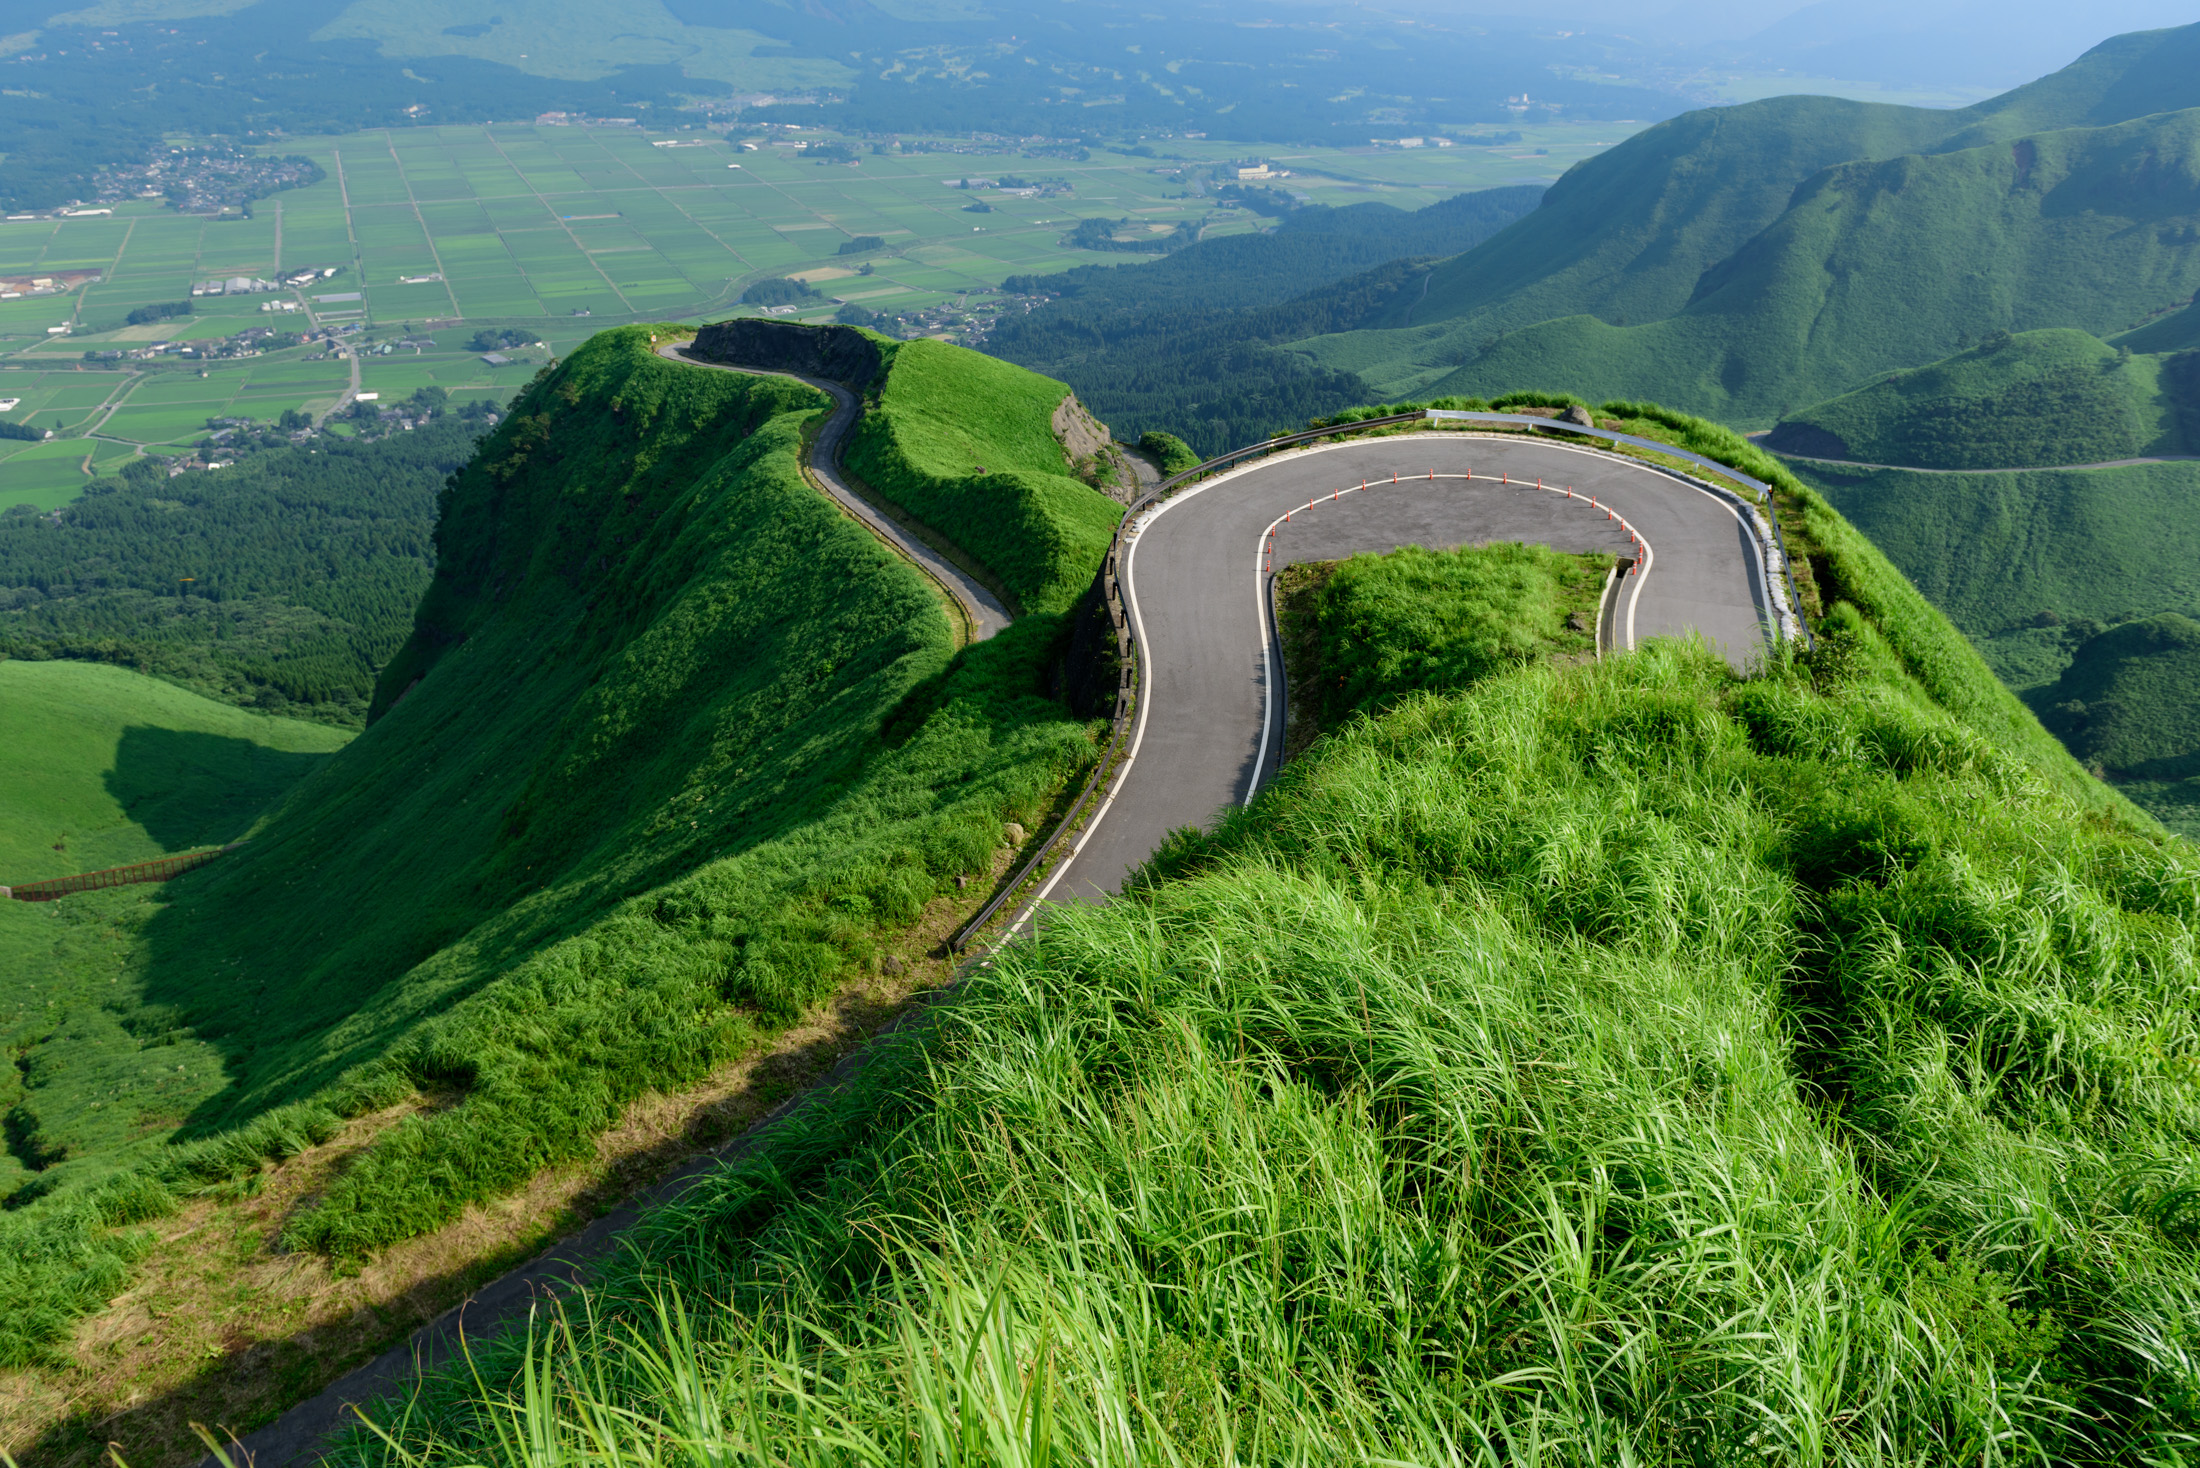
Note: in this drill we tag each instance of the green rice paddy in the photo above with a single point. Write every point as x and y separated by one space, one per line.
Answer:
566 230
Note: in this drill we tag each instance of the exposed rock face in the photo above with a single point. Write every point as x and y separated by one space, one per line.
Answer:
838 352
1579 414
1083 437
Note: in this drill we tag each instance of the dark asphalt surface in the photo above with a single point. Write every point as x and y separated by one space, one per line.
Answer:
981 608
1208 735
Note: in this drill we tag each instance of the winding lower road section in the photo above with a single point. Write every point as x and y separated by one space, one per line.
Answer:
981 609
1197 572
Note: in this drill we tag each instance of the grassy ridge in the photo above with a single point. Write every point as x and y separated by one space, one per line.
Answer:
674 748
1747 261
2035 400
964 443
1619 1062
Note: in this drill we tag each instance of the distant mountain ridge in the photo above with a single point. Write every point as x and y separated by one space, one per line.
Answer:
1746 260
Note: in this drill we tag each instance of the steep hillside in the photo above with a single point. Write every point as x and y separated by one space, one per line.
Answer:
1748 260
676 751
1611 1062
2041 399
2010 558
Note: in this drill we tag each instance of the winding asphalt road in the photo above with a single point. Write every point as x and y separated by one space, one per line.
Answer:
981 609
1208 730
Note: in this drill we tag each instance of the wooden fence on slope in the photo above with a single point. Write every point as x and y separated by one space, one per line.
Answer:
160 869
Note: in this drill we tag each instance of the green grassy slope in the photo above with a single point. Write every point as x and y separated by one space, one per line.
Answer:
2177 331
1878 266
2034 400
963 443
99 767
1749 260
112 767
1613 1063
675 746
2130 699
2129 705
2010 557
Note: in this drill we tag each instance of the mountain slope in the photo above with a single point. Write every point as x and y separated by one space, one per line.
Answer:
1750 259
1186 343
2130 699
676 750
2041 399
1471 1096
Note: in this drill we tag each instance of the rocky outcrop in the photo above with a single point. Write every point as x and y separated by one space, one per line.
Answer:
1093 453
841 353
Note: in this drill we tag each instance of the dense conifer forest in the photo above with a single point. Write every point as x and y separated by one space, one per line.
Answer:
283 582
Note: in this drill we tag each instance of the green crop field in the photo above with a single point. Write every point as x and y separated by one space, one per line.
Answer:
563 230
540 222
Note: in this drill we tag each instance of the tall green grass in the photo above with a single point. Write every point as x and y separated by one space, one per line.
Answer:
675 750
1834 564
1618 1063
1421 620
963 442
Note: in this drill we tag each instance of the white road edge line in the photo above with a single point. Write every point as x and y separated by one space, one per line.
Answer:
1138 622
1261 576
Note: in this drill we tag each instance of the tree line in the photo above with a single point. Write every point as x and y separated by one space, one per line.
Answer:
282 583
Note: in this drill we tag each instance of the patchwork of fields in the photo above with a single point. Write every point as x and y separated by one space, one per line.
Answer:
565 230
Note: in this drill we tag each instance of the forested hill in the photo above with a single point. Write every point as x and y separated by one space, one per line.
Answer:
1185 343
305 565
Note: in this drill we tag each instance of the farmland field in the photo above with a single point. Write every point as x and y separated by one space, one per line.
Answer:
437 232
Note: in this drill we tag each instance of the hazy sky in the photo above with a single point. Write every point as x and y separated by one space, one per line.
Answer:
1969 42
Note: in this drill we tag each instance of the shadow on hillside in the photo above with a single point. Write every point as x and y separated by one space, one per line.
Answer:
191 789
269 1388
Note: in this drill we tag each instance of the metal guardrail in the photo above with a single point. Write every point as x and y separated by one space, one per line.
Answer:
1728 471
160 869
1119 613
